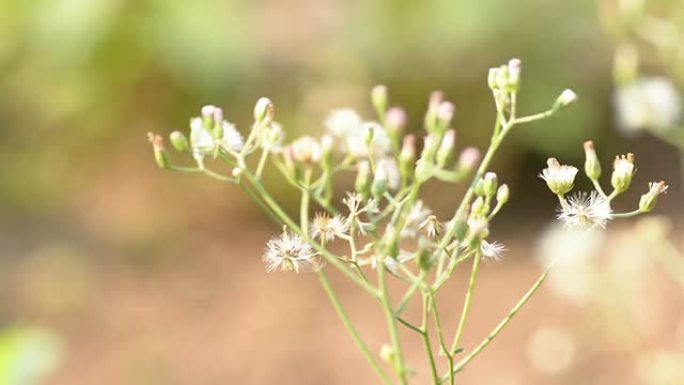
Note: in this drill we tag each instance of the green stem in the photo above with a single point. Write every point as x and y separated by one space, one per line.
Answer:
262 163
391 323
304 204
352 330
466 303
426 339
502 324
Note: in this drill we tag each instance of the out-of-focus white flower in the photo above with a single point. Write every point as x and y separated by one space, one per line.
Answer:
389 165
585 210
201 139
574 251
342 122
559 178
392 264
327 228
289 252
306 150
232 140
271 136
347 125
418 214
651 103
492 250
551 350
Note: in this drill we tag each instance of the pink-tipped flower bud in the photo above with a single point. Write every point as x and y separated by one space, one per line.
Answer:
446 147
395 119
469 159
445 112
592 166
161 156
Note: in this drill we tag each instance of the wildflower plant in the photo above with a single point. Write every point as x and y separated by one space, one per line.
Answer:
384 227
593 209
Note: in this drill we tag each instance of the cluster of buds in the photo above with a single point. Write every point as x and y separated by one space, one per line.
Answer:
594 208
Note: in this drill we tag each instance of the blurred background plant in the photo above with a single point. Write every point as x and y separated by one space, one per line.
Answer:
142 283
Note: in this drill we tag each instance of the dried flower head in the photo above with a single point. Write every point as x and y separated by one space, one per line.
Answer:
559 178
327 228
585 210
289 252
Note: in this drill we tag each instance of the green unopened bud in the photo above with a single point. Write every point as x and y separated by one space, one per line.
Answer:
368 133
479 207
379 99
460 224
407 156
161 156
430 146
623 170
502 194
490 184
423 258
514 69
363 181
592 166
179 141
380 183
649 200
208 117
479 188
565 99
446 147
264 111
492 77
327 147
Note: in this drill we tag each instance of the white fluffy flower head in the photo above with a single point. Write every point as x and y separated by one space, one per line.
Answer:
492 251
585 210
289 252
327 228
559 178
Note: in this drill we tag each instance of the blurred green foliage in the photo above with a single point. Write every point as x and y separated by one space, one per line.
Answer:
28 355
79 77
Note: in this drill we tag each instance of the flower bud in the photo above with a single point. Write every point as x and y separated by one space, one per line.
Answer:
468 159
479 188
649 200
492 77
623 170
161 156
208 117
327 147
514 69
179 141
478 229
592 166
430 146
236 172
363 178
559 178
502 194
423 258
368 133
407 156
490 184
445 148
460 224
217 130
264 111
479 207
379 99
395 119
445 112
565 99
436 98
380 183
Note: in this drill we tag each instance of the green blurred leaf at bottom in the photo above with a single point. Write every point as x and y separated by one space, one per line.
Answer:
28 355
